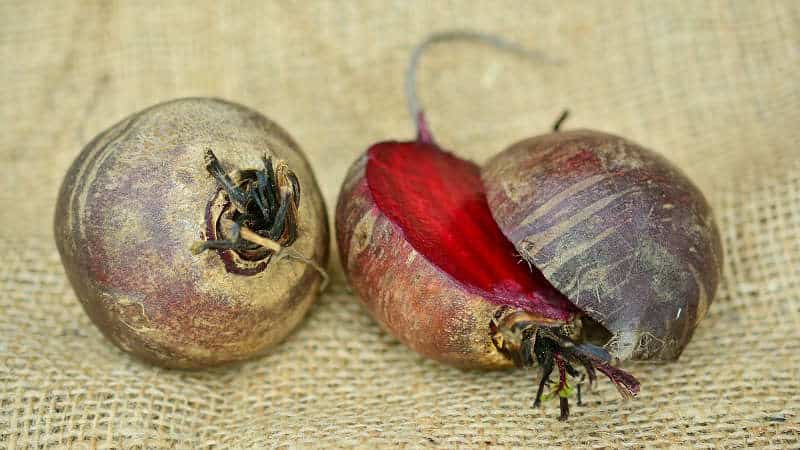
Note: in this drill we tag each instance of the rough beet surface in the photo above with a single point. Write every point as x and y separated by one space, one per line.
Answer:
617 229
132 205
404 291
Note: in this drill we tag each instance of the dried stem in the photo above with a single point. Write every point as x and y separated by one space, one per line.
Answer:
280 251
250 235
527 343
415 107
265 203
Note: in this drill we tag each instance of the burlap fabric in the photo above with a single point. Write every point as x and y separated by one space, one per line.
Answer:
714 86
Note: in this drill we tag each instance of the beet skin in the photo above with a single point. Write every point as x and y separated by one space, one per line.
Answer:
135 201
618 229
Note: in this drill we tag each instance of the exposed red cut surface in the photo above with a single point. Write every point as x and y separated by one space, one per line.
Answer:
438 201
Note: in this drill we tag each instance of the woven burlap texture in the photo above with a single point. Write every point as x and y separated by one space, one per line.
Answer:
712 85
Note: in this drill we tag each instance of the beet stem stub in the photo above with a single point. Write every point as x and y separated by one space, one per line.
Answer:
560 121
569 354
556 347
265 215
263 223
235 194
547 368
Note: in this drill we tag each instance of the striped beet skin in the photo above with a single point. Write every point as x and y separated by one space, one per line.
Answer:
620 231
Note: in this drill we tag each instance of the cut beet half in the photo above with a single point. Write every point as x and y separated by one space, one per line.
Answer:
437 200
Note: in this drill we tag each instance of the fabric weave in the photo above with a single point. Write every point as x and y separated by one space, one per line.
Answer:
711 85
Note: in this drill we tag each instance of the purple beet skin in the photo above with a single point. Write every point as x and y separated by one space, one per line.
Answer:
620 231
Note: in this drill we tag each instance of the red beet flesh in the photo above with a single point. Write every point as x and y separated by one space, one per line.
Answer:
437 200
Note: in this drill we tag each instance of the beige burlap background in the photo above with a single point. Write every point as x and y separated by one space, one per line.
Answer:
714 86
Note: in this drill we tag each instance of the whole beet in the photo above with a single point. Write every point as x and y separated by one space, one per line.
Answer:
140 195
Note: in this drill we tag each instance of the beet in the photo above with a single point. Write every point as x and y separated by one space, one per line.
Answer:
620 231
146 197
499 266
421 249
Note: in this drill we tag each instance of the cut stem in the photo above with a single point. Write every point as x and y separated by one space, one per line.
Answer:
265 203
280 252
562 387
251 236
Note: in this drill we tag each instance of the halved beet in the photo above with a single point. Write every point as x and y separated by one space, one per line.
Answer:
620 231
420 247
576 248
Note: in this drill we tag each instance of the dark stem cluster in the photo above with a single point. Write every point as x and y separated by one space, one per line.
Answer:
552 349
264 202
